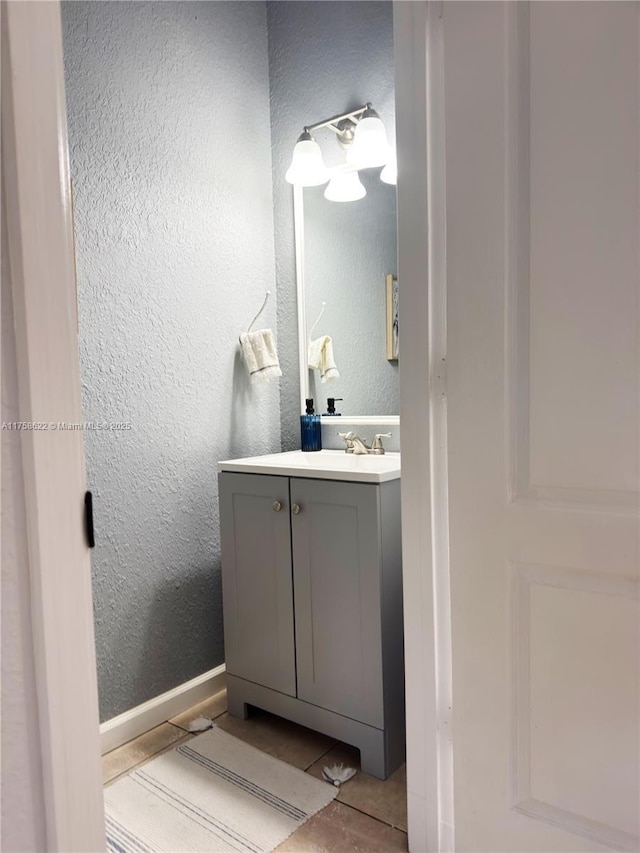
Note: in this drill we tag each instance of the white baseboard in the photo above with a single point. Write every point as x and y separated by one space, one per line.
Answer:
125 727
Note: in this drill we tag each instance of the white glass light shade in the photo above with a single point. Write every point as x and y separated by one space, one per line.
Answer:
370 147
389 175
307 166
345 187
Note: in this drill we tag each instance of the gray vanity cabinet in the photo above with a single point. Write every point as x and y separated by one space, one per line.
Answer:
312 591
336 570
256 578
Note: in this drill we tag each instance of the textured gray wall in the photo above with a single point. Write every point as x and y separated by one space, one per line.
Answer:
170 154
323 58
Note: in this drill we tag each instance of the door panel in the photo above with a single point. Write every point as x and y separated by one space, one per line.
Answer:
577 628
582 244
336 556
257 580
542 169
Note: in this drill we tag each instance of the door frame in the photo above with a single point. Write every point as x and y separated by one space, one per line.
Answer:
41 252
419 77
35 168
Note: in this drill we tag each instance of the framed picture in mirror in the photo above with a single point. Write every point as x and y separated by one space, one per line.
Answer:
392 318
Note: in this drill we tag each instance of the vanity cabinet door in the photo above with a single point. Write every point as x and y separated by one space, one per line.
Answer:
256 577
337 576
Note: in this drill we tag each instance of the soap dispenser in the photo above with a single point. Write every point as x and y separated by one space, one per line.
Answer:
310 429
331 407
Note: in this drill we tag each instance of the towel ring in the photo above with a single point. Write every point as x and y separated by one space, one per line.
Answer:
324 305
266 299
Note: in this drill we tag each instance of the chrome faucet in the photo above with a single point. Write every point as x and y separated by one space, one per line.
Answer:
354 443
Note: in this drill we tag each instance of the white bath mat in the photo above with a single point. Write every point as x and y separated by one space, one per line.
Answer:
211 793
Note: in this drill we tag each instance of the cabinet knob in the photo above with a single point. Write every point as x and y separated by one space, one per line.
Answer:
277 506
295 509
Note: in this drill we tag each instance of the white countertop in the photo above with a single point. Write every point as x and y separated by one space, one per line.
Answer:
322 465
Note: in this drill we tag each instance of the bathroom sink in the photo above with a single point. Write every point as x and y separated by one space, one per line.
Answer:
324 465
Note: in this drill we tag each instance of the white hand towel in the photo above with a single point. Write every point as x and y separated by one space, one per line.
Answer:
320 358
260 355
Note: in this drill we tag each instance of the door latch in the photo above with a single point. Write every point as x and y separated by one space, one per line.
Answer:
88 519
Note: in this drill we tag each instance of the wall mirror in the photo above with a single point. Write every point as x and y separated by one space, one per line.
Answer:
345 254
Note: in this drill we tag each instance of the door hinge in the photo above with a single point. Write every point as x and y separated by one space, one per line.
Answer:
439 379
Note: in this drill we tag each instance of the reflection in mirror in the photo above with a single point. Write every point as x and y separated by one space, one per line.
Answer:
349 250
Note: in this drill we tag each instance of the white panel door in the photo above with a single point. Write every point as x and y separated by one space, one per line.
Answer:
542 213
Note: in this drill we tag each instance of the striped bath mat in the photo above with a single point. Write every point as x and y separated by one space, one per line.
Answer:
212 793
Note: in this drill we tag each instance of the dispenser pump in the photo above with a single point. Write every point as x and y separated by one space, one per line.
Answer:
331 406
309 402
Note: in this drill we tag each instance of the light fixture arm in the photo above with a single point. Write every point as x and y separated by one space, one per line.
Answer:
335 120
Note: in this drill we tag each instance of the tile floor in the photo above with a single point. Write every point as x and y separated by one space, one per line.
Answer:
368 815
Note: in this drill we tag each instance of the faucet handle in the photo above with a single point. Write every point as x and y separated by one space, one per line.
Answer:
353 442
376 445
347 437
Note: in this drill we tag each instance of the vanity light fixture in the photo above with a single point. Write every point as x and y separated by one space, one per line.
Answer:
307 166
361 132
345 186
370 147
389 175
